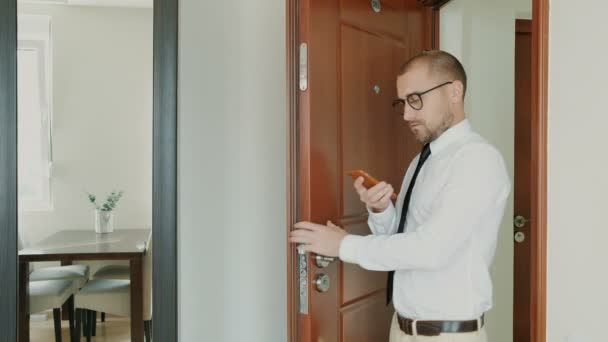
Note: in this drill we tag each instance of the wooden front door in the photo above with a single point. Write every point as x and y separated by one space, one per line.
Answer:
349 64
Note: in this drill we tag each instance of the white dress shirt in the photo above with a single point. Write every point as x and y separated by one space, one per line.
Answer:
442 258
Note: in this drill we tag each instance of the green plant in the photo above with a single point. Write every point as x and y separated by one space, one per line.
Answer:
110 203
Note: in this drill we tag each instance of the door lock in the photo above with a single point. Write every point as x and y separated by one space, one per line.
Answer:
520 237
519 221
322 282
376 6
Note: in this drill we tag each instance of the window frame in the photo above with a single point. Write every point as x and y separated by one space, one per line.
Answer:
36 36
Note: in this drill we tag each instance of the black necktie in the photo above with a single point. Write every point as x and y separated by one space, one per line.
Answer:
424 155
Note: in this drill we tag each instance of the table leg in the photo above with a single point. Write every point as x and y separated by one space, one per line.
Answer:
24 302
137 320
65 308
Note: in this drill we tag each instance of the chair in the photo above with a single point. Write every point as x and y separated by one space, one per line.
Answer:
113 272
113 296
110 271
47 288
78 273
52 294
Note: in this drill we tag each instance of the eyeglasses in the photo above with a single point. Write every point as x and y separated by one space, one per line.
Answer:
414 99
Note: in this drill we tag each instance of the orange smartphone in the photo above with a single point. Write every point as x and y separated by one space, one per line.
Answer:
368 181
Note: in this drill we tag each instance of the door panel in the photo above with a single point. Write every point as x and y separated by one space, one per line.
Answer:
373 136
367 321
357 282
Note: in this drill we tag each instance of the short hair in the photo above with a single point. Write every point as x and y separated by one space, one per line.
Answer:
439 63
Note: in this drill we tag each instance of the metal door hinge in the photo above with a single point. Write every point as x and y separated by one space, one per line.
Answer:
303 66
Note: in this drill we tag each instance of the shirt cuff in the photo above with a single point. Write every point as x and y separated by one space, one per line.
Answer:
383 218
349 248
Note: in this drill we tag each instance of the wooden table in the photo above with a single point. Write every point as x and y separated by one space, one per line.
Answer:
69 245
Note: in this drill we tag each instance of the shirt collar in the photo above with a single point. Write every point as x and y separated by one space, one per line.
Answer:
451 135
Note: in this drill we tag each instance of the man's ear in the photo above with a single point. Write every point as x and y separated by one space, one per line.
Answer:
457 91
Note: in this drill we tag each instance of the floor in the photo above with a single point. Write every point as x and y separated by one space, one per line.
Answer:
114 329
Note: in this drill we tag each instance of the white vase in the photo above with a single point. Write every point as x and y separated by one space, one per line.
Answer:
104 221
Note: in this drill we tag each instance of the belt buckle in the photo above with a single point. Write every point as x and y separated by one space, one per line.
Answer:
427 329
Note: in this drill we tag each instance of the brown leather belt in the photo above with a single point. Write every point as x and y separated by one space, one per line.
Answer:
435 328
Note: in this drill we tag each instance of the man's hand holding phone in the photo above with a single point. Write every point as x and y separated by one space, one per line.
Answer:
377 197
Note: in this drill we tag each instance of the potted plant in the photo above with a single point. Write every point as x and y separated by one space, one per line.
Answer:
104 217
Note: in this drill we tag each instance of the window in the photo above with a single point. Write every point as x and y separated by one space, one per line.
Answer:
34 124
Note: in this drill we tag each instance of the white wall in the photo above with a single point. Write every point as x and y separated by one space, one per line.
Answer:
232 175
102 96
577 274
481 34
523 8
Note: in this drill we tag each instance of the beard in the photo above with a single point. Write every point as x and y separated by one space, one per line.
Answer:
425 134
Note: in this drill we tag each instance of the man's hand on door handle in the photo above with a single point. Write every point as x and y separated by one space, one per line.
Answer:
317 238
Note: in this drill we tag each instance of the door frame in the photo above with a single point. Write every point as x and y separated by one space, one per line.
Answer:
540 62
164 176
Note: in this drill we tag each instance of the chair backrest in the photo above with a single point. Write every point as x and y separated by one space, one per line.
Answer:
147 282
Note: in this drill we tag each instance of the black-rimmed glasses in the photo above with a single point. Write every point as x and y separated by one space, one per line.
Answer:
414 99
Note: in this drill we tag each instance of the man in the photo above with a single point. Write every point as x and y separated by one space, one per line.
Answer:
439 240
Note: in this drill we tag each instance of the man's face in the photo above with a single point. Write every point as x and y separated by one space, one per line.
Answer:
435 116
